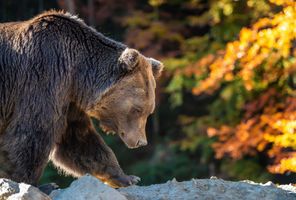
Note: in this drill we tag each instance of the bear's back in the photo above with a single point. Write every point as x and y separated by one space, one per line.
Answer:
8 38
47 52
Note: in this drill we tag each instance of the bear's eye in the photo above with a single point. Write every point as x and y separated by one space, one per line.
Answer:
136 110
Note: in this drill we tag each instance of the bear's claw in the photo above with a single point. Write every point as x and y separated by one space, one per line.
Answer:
123 181
134 179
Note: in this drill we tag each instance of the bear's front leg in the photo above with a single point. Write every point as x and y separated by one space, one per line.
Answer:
26 148
81 150
115 177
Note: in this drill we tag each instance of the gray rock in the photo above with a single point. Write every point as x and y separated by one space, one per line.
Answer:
210 189
10 190
90 188
87 187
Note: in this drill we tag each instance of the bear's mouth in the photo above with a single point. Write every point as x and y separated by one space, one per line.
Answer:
121 135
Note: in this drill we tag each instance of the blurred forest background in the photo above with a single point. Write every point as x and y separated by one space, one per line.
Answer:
227 98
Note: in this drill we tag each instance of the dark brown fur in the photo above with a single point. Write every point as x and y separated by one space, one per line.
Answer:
55 72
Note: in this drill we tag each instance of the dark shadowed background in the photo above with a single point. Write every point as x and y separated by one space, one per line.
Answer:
227 99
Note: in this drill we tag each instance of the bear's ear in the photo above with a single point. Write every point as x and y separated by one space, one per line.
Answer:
129 59
157 67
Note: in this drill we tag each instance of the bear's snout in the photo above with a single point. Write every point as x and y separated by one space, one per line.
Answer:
137 144
141 143
132 142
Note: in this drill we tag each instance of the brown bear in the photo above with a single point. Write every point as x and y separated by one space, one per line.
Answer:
55 73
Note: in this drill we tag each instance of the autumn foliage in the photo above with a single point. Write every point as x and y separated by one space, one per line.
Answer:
262 64
237 59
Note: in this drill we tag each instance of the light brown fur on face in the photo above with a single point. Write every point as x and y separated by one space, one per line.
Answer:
125 108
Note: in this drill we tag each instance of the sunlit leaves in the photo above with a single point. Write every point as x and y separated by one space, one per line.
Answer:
267 38
263 60
156 3
175 88
286 164
283 2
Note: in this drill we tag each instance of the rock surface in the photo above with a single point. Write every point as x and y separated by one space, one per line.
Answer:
90 188
210 189
10 190
87 187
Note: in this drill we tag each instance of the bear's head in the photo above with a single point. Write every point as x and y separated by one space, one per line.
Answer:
124 109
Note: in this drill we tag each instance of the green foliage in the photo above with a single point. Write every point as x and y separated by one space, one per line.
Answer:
247 169
51 175
175 89
166 164
227 108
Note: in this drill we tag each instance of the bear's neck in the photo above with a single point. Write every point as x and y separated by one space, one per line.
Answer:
98 73
92 57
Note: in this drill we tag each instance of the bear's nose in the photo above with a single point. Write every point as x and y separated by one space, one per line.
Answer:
141 143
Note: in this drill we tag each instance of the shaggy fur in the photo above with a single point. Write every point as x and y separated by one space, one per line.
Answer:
54 72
